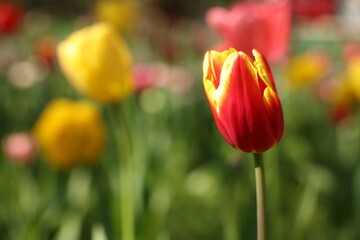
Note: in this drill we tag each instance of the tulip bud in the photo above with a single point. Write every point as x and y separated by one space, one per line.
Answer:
243 99
98 63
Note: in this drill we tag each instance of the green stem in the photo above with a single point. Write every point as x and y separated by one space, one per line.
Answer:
126 177
260 196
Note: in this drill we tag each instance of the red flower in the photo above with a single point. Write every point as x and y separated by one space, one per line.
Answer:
44 50
312 9
340 113
243 99
264 26
10 17
351 50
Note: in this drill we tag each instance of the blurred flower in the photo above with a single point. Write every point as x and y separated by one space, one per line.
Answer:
98 63
351 50
312 9
44 49
25 74
340 112
19 147
307 68
70 133
122 13
353 75
341 93
264 26
341 99
11 16
174 78
243 99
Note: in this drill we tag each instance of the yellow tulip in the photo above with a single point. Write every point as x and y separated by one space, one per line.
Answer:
353 75
70 133
97 63
122 13
341 99
307 69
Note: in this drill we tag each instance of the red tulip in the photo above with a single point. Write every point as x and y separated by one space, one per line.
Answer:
10 17
312 9
242 96
264 26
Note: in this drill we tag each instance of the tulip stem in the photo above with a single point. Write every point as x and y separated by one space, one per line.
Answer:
260 196
126 175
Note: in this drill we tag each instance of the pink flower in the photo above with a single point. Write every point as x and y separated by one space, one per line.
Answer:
19 148
160 75
245 26
351 51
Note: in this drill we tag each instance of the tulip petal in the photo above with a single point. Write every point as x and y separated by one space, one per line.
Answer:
220 94
274 112
271 100
212 67
241 108
263 69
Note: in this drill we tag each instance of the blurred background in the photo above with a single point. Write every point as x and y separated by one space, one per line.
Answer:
190 185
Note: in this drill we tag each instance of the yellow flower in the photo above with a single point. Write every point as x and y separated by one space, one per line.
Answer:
70 133
353 75
342 91
307 69
98 63
341 98
122 13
